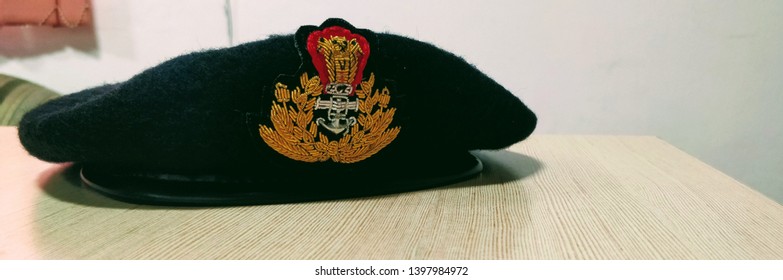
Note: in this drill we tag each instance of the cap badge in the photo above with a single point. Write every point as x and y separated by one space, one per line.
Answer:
334 115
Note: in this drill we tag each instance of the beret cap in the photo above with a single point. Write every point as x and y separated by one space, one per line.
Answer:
331 111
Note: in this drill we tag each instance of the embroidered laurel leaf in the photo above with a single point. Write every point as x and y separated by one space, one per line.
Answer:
302 119
301 99
355 127
323 138
369 123
304 81
313 129
315 152
360 103
358 136
371 137
307 138
375 121
310 86
265 130
370 102
367 85
362 120
297 134
388 136
282 93
279 117
290 137
278 143
295 96
308 117
315 85
319 155
332 148
307 146
310 105
344 140
292 113
386 118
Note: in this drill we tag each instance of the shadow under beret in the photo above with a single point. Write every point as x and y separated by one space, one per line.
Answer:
358 113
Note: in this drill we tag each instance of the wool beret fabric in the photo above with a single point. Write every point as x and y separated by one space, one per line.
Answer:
199 115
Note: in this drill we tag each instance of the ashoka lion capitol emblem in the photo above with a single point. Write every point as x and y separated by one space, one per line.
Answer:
334 115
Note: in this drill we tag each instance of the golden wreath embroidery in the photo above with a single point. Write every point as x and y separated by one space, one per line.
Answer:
295 134
354 120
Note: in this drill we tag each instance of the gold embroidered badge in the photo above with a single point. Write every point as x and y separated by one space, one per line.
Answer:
335 115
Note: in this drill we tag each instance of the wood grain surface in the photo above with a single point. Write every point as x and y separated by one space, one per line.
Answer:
549 197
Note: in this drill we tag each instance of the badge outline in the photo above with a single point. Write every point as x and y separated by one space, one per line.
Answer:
293 133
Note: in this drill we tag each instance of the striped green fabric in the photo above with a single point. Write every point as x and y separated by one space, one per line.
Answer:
18 97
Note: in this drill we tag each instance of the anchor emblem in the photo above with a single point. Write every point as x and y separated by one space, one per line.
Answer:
339 104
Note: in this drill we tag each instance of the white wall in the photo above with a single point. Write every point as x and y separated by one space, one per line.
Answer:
705 76
127 37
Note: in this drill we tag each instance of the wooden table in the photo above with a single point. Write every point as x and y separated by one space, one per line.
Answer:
549 197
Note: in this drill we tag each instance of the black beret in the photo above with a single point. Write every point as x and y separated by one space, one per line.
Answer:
329 112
